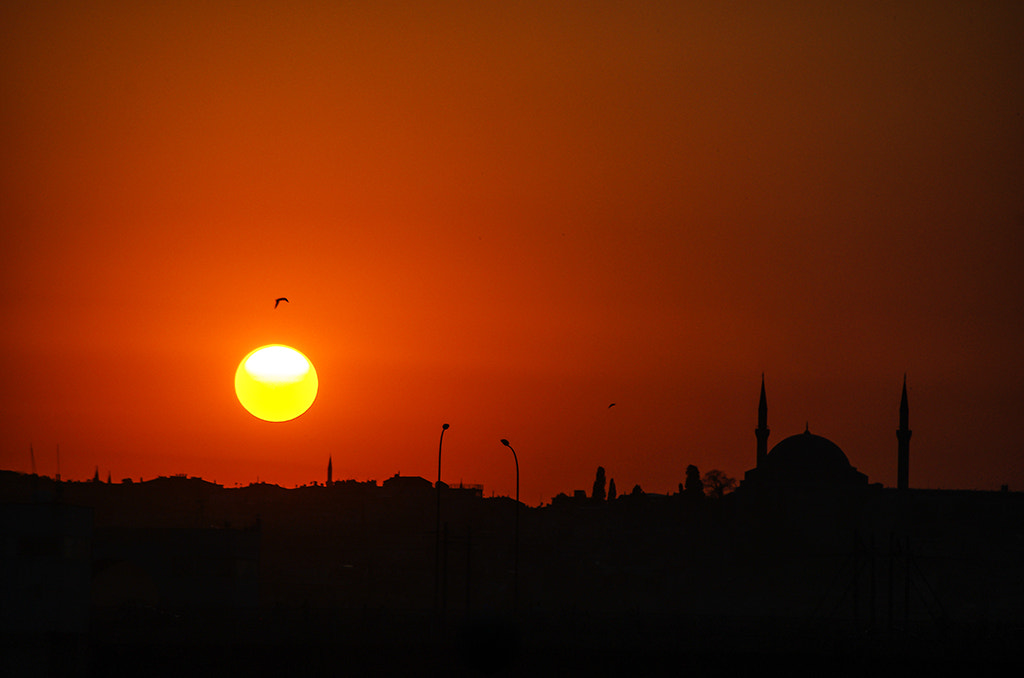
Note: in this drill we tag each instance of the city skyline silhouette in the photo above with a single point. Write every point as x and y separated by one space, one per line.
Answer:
570 238
507 219
802 563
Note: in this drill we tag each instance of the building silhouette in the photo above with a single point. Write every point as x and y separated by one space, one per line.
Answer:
806 558
801 463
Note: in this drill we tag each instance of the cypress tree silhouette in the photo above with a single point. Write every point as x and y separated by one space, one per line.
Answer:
694 485
598 492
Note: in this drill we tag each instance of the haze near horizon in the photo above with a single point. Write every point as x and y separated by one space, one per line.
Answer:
506 217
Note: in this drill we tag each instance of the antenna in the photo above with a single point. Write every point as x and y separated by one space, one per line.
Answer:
32 454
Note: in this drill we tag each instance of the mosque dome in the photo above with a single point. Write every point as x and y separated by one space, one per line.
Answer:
806 460
808 454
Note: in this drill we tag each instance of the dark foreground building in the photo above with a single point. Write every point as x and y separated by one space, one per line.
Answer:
807 567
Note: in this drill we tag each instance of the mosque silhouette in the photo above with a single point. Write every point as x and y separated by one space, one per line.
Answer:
806 460
801 460
806 558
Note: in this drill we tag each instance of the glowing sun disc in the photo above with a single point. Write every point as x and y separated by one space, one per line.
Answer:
276 383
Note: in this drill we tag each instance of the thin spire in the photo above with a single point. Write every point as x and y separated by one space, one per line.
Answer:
903 437
904 408
762 407
761 432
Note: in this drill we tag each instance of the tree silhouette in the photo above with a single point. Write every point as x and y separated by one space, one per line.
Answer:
598 493
694 486
717 484
611 490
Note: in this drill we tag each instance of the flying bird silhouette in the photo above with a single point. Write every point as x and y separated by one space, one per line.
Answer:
612 405
279 300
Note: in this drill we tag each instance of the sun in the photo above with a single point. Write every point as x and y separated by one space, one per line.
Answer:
276 383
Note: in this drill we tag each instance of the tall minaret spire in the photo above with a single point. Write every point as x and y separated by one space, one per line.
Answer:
762 426
330 471
903 436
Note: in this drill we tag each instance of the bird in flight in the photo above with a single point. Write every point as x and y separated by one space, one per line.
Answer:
612 405
279 300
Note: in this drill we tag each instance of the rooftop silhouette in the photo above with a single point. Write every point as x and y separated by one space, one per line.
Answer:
805 548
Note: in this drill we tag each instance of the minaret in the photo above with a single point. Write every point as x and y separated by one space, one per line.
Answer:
762 427
903 436
330 471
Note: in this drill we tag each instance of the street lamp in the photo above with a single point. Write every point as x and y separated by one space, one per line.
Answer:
515 567
437 530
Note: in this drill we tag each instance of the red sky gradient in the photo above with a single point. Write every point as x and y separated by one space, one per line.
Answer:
506 216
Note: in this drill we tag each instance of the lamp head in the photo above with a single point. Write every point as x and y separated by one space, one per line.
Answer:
505 443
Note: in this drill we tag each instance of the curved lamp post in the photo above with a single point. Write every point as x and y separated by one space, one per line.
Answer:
437 531
515 566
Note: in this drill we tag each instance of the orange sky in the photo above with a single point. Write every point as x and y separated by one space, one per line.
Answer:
506 216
